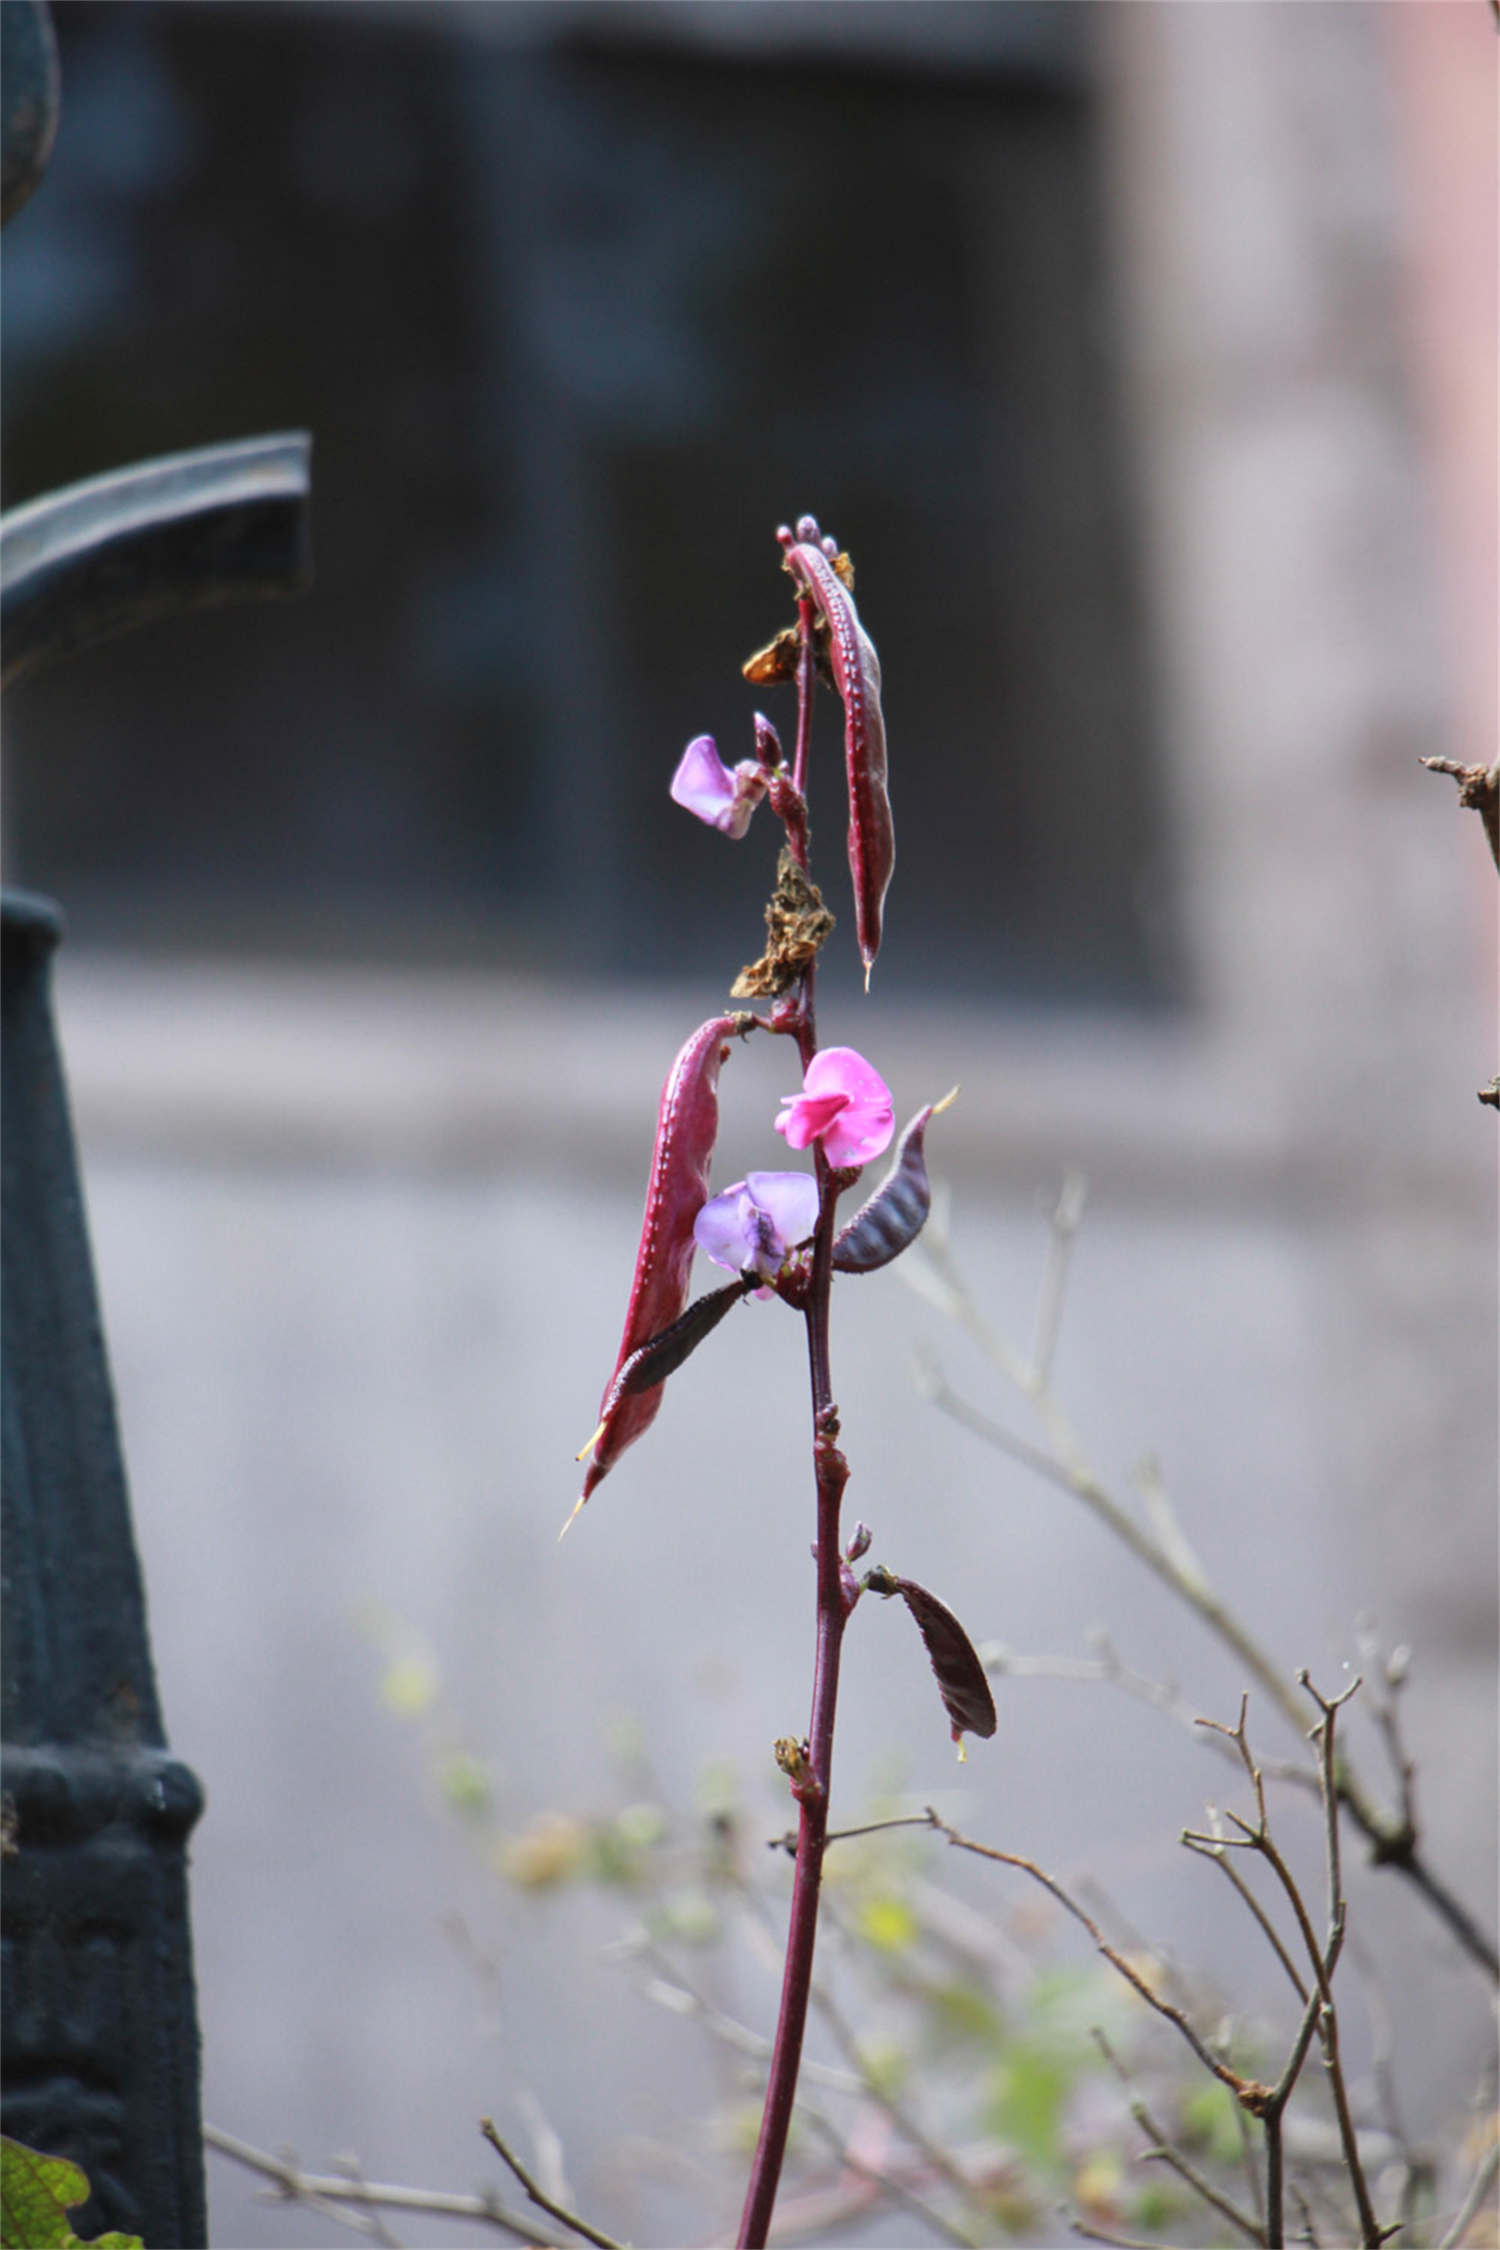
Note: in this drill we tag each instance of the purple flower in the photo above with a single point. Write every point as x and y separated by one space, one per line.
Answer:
704 785
845 1104
753 1224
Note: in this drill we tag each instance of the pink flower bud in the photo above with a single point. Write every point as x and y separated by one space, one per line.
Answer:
705 786
845 1104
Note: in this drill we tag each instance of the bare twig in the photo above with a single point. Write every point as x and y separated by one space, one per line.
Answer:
1065 1220
1215 1851
1102 2234
667 1989
329 2189
1241 2088
544 2202
1071 1476
1319 2013
351 2168
1328 2031
1393 1840
886 2181
788 1842
1252 2174
1163 2151
941 2161
1473 2203
1108 1666
1390 1675
1478 786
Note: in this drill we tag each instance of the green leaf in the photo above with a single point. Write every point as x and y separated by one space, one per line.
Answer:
36 2194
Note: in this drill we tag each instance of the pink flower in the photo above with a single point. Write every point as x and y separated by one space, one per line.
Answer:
704 785
845 1104
755 1222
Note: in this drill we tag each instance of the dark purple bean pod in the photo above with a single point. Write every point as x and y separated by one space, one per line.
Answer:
954 1659
651 1363
687 1125
897 1212
856 673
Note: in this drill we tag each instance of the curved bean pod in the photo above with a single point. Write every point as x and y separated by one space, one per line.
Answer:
856 672
687 1126
651 1363
897 1212
955 1662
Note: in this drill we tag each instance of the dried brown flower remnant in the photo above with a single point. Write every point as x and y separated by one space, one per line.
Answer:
797 924
776 663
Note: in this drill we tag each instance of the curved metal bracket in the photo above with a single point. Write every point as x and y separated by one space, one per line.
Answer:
224 523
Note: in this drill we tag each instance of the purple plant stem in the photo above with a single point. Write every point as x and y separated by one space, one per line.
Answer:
831 1473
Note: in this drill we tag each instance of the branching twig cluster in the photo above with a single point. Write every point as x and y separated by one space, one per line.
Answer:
1266 2104
1162 1546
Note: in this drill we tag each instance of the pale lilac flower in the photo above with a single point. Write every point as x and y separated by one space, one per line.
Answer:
722 796
753 1224
845 1104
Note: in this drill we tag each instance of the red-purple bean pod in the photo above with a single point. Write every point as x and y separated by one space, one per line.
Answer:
687 1126
897 1212
955 1662
856 673
651 1363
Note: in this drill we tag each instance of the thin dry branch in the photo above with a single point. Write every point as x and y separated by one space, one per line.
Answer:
942 2163
1214 1850
1393 1839
544 2202
886 2181
1474 2202
1091 2233
1320 2015
666 1988
328 2190
1163 2151
1478 791
1328 2030
1243 2089
1062 1232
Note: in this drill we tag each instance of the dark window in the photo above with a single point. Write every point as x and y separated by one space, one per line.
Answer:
574 324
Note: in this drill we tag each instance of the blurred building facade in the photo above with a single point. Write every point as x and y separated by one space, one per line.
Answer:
1144 358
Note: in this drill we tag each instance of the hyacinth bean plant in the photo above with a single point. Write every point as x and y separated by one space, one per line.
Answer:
777 1231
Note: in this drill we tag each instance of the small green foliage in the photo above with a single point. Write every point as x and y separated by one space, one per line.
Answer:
1028 2093
962 2015
888 1924
686 1917
409 1687
466 1786
1156 2206
884 2063
625 1742
642 1825
718 1790
1208 2123
36 2194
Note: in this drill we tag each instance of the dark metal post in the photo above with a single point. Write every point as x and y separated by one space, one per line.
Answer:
100 2045
101 2036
